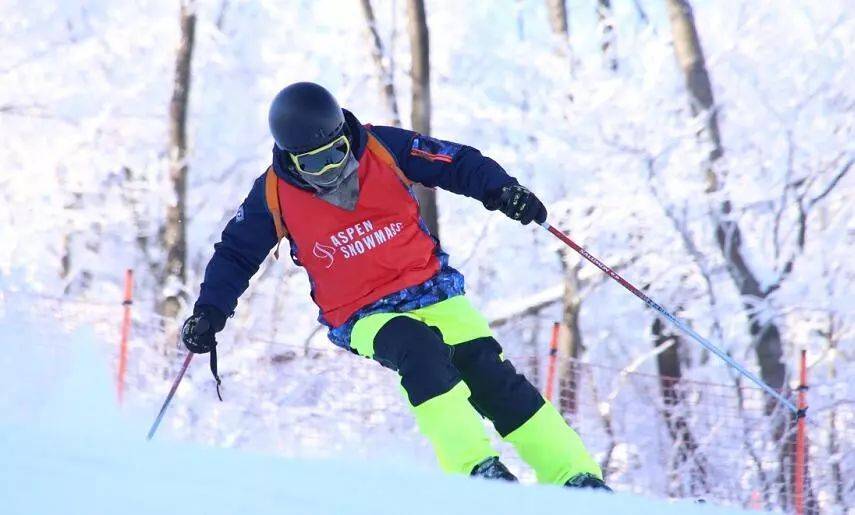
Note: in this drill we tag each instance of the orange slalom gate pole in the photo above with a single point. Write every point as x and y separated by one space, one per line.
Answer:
126 330
553 355
801 437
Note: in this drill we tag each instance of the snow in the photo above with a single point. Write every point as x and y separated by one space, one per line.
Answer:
67 449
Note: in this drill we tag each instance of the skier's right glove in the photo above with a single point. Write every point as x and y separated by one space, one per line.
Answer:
518 203
199 331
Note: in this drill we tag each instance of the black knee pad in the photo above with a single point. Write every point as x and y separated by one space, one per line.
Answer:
499 392
419 355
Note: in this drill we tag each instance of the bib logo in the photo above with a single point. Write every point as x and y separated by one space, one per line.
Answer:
324 252
356 240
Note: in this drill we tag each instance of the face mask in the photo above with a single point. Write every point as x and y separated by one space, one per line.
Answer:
339 187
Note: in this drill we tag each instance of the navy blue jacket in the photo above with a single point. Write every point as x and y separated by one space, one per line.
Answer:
250 234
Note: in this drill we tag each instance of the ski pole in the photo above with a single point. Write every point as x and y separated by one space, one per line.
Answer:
169 396
671 318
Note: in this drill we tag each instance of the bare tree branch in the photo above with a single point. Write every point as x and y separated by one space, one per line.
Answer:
531 305
801 226
837 178
221 15
642 15
688 243
537 302
776 227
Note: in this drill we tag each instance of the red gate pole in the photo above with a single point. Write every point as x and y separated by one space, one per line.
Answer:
801 437
126 329
553 355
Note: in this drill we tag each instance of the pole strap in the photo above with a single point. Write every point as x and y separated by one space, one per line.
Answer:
214 371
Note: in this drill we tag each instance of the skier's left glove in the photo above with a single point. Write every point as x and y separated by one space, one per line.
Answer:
518 203
199 331
199 335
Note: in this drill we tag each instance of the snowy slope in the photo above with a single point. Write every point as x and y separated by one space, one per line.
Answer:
52 473
66 449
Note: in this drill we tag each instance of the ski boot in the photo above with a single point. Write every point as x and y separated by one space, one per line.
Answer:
586 480
492 468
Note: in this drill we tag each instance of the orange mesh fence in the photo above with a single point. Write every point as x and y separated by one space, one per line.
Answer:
722 442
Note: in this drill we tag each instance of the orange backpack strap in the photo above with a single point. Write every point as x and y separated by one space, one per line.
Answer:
379 149
271 195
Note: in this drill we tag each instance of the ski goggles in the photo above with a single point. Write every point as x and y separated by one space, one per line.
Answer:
322 159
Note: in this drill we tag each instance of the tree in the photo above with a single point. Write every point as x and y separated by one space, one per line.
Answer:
74 272
557 13
605 20
570 345
685 444
570 337
765 333
421 109
378 54
173 234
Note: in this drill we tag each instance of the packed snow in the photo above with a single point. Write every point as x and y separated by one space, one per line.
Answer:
67 450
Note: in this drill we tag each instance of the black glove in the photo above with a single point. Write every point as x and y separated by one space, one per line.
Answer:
518 203
198 332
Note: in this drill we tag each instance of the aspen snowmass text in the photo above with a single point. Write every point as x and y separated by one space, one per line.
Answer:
359 238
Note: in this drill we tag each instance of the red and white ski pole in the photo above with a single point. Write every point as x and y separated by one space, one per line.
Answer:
671 318
169 396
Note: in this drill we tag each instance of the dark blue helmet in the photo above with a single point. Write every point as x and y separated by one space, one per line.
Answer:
304 116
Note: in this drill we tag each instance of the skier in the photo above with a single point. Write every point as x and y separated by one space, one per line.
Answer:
340 192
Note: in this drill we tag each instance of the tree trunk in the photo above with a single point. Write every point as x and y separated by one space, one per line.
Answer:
569 338
670 374
532 365
387 84
605 20
174 232
420 71
557 10
690 57
557 13
765 333
76 277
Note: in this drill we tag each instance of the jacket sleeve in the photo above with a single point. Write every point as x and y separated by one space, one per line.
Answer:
245 243
438 163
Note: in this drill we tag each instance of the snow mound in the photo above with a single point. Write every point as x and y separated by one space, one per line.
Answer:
56 474
66 449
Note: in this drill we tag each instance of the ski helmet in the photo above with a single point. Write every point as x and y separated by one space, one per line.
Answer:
304 116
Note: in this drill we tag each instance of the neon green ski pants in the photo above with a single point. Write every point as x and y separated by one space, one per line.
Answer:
451 369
